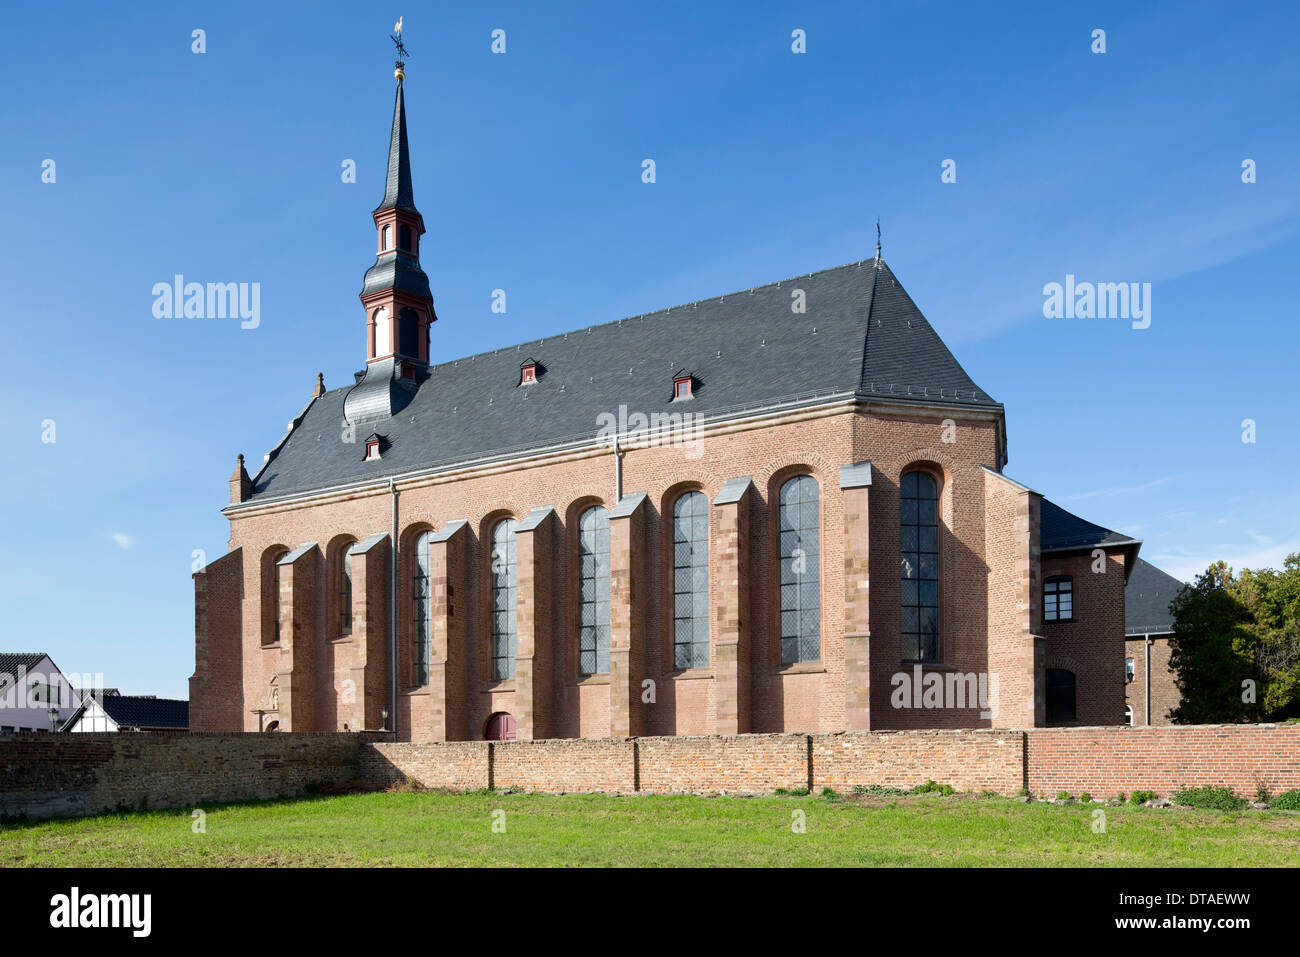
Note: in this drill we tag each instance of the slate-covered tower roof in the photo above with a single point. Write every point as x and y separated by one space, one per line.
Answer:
395 291
398 193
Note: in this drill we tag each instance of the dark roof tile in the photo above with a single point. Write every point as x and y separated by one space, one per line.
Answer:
1147 598
862 334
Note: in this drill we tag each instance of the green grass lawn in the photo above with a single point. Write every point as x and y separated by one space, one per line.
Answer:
430 828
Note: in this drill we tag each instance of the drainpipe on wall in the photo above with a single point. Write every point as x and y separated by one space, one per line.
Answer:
392 612
1146 664
618 471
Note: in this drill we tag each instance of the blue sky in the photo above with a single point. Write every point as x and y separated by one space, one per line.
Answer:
225 166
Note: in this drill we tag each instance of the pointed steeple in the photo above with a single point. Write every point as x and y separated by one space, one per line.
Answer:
398 193
395 293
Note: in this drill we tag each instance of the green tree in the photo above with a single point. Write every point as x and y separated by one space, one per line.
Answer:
1232 629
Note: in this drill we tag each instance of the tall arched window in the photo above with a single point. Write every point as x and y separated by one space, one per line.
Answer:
271 580
408 333
593 592
387 234
345 589
505 611
421 613
276 613
919 543
404 234
800 544
691 581
382 332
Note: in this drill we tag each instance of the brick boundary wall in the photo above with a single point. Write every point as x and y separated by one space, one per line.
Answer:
1104 761
43 775
733 764
967 760
565 764
61 775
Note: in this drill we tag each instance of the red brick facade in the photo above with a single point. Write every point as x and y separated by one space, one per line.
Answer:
317 678
1164 690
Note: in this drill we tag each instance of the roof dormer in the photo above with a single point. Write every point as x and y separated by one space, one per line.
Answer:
683 385
528 371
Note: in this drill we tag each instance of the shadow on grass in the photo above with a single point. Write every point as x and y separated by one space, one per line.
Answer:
314 793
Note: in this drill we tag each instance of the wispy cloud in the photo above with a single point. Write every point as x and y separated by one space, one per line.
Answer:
124 541
1115 490
1186 565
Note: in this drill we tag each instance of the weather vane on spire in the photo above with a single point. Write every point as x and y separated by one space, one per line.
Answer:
877 239
399 70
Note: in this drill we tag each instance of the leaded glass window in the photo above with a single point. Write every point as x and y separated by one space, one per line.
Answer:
919 542
505 609
800 577
421 611
345 589
691 581
593 586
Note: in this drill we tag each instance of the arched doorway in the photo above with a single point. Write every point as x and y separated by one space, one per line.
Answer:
500 727
1060 695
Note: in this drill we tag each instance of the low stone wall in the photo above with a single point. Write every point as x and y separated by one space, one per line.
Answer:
734 763
57 775
565 764
1105 761
455 765
968 760
44 775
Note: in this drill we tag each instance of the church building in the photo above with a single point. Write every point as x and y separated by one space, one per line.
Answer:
779 509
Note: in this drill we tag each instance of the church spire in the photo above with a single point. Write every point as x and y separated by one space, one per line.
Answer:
395 294
397 188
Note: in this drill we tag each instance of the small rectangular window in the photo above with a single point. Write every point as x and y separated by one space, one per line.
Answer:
1058 599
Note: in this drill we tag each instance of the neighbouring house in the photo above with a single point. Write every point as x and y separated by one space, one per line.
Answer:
110 711
1150 689
34 694
780 509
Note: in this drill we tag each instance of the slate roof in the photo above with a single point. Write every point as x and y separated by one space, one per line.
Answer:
862 335
1147 598
1064 531
398 191
133 711
11 662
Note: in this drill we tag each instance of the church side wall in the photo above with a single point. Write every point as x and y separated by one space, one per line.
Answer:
772 698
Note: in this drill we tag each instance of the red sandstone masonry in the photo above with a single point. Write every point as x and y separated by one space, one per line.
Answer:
967 760
1104 761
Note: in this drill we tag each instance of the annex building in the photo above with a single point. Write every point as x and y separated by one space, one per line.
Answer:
762 511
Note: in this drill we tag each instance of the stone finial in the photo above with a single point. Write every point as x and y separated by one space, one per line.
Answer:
319 391
241 486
